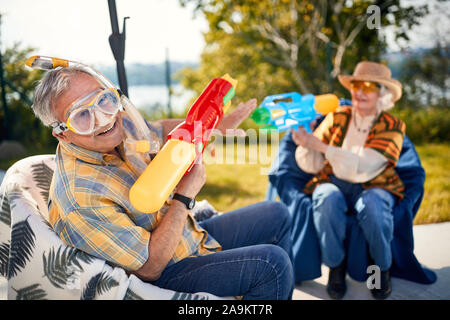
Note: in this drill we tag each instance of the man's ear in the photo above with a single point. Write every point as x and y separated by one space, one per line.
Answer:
60 136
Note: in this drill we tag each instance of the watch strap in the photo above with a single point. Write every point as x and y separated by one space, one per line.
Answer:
186 200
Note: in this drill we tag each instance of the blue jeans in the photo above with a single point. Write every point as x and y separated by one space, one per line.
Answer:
255 262
373 208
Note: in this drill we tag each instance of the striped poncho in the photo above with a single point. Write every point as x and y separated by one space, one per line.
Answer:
385 136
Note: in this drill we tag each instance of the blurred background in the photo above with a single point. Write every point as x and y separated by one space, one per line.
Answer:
175 47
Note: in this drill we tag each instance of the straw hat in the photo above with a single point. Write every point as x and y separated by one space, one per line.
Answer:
375 72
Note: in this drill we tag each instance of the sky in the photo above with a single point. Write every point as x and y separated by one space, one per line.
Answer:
79 30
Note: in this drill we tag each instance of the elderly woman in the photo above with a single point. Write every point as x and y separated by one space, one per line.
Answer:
353 153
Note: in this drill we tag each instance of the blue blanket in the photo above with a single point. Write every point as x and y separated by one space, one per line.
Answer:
287 180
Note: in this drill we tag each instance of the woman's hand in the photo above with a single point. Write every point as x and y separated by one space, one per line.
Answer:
231 121
308 140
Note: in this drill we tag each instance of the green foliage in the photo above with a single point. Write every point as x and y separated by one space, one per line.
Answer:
426 125
425 77
21 123
281 46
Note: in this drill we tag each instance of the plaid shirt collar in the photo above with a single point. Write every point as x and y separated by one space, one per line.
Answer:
90 156
83 154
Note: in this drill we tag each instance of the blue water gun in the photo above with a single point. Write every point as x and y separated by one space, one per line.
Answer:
281 112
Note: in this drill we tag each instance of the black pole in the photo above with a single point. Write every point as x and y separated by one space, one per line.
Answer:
117 43
169 85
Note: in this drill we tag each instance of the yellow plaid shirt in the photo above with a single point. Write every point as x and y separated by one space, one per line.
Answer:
89 208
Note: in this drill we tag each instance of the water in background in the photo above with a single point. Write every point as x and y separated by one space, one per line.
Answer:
148 97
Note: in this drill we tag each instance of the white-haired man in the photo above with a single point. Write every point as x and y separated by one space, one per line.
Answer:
233 254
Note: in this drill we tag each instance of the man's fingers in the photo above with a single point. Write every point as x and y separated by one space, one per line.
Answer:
244 109
251 105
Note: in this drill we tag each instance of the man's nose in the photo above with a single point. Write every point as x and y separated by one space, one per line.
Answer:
101 118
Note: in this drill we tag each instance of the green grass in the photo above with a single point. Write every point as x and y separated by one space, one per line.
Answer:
436 202
231 186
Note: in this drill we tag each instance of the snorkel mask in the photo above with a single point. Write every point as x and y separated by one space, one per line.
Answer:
104 103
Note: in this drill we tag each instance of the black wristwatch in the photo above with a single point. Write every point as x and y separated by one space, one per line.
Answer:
188 202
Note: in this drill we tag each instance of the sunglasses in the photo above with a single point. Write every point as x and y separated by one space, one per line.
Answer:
365 86
81 116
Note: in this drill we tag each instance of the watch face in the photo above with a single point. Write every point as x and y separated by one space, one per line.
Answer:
191 204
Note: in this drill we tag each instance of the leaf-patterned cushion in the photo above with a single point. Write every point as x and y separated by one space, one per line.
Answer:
38 265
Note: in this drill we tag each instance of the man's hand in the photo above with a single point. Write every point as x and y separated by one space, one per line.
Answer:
191 184
168 234
231 121
308 140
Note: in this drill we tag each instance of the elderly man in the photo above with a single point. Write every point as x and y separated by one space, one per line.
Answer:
241 253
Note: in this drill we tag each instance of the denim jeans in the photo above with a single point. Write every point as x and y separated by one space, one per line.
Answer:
373 208
255 261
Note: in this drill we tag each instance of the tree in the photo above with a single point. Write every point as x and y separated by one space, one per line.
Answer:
20 83
285 45
425 75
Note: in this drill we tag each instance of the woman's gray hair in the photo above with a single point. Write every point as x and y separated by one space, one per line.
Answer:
385 99
50 87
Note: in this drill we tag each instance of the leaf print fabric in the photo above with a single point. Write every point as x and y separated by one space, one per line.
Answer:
21 249
38 265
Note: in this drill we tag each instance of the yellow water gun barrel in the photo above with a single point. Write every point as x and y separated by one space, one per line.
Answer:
326 103
151 189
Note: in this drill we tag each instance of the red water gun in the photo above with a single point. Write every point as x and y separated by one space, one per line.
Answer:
184 146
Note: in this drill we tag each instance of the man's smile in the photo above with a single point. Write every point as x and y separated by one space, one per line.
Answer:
108 130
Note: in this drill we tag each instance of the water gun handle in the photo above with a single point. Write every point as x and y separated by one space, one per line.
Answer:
293 96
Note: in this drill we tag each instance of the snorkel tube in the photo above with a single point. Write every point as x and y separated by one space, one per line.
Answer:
145 143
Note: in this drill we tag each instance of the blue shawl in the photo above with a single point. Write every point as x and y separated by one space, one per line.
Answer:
287 180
